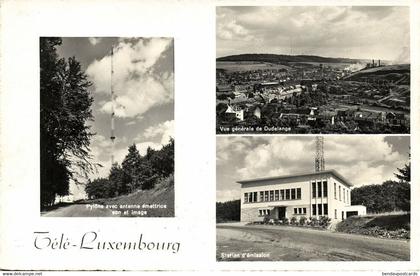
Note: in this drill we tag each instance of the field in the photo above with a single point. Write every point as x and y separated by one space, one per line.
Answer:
241 66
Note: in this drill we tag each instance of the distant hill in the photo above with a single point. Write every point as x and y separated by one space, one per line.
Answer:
286 58
398 73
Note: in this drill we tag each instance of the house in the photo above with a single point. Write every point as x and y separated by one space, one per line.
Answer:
238 111
324 193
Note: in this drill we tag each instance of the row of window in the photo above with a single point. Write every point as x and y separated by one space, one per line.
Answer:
320 209
319 189
264 212
299 211
345 193
273 195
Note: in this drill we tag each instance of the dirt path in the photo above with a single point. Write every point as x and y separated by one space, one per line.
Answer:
282 243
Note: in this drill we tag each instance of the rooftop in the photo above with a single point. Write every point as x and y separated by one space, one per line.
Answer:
333 172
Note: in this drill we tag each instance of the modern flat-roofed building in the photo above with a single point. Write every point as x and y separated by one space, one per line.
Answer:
323 193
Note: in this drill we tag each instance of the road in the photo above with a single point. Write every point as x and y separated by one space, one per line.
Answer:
284 243
77 210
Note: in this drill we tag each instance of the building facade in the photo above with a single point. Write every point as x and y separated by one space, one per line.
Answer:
324 193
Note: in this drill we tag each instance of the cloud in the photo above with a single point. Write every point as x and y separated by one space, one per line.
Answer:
94 40
232 29
165 130
137 85
354 32
227 146
226 195
363 161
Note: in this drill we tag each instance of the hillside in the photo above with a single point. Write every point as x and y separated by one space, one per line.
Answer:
162 194
395 226
273 58
400 74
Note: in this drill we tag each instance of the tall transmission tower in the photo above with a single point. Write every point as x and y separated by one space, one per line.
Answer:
319 154
112 108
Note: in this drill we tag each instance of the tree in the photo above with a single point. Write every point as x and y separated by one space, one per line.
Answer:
163 161
65 107
98 188
131 166
118 181
404 174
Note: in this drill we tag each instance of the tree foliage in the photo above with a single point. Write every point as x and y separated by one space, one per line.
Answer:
404 173
97 188
65 107
228 211
387 197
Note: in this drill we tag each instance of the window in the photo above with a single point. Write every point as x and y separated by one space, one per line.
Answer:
335 213
255 196
261 196
319 209
298 193
325 209
348 197
339 193
293 194
246 198
313 189
295 210
265 195
281 194
300 210
287 194
319 189
335 190
325 188
271 195
268 212
304 210
314 209
344 195
261 212
276 195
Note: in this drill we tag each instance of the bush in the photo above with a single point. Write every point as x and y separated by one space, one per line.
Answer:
293 220
285 221
302 220
324 221
313 221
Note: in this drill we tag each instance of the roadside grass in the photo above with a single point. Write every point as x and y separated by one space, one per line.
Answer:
162 194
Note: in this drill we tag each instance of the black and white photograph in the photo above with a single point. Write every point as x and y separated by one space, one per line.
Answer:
313 69
313 198
106 127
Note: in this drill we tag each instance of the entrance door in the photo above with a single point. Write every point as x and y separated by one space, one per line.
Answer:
281 212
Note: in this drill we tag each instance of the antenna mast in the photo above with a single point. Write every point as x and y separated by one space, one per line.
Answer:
112 107
319 154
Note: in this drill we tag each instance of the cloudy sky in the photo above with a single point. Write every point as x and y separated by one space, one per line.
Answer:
361 159
143 85
380 32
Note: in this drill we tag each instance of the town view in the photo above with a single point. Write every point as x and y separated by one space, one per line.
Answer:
311 94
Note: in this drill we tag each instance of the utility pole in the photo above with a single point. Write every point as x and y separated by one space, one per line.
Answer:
319 154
